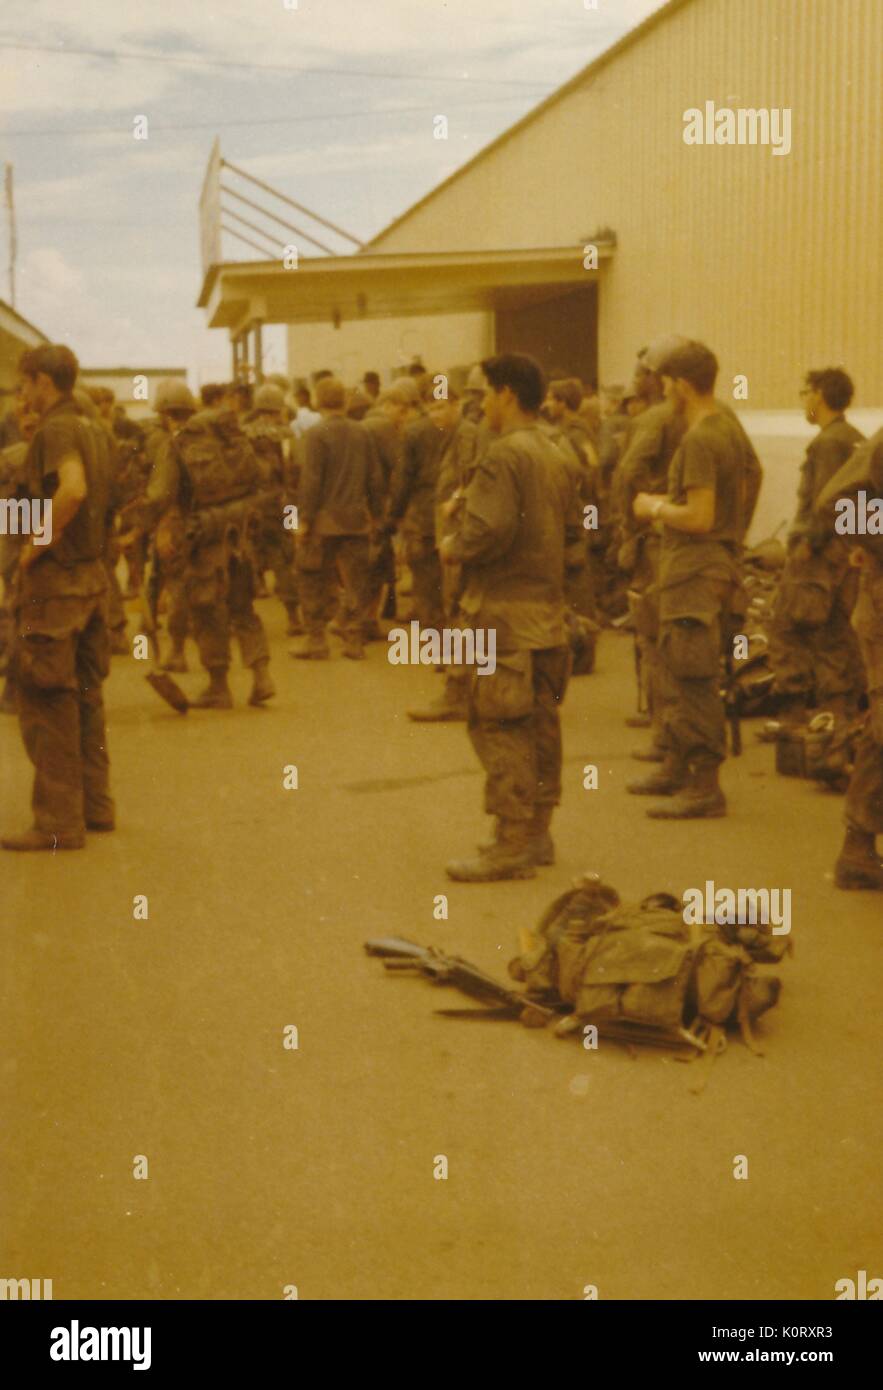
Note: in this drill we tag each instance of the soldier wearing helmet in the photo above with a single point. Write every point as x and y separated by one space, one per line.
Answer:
274 444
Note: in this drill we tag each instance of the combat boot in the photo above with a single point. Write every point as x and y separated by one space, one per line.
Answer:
670 779
859 865
700 799
262 686
313 649
295 627
511 856
217 694
451 706
543 848
651 754
352 648
637 721
176 660
542 845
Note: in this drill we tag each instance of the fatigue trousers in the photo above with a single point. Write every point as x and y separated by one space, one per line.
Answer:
178 610
864 797
819 662
426 573
276 554
515 728
62 655
220 589
323 562
116 613
382 572
688 683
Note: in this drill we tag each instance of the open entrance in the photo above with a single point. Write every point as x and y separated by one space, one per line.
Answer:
560 331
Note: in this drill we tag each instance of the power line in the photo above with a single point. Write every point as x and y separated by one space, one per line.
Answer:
272 120
195 61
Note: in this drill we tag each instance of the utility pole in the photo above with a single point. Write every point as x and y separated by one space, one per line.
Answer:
13 242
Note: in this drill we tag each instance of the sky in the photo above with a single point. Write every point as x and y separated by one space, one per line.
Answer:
331 101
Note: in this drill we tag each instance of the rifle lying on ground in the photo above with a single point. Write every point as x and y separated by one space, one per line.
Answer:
402 957
399 955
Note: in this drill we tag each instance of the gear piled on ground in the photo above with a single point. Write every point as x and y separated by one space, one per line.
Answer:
636 973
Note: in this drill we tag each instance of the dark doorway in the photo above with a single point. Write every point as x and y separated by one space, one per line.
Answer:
561 332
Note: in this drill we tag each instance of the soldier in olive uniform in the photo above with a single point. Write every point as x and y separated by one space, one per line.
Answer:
194 540
12 485
459 445
813 650
340 506
412 509
385 422
859 865
61 644
273 442
518 513
652 443
703 519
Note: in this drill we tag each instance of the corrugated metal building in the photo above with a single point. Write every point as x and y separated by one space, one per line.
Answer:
775 260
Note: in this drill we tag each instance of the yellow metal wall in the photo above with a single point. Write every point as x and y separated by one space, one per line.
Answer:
774 261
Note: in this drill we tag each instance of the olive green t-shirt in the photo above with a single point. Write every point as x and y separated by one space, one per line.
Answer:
63 431
712 454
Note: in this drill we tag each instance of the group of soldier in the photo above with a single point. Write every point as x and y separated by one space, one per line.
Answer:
536 511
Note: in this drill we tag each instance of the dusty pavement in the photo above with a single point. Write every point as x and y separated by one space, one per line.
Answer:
271 1167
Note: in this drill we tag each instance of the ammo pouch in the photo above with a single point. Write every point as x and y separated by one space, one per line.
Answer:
691 648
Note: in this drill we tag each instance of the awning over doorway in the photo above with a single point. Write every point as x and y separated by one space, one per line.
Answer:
338 289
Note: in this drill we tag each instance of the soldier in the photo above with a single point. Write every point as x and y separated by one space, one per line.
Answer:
473 395
273 443
385 422
561 407
412 509
459 442
370 384
703 520
340 504
652 442
87 402
61 645
859 865
202 492
518 510
12 485
132 472
174 406
813 650
305 416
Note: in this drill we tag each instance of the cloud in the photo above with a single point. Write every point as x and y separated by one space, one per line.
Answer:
108 229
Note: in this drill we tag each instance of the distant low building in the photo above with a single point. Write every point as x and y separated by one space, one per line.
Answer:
130 384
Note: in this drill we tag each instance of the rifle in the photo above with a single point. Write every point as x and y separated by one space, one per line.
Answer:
401 956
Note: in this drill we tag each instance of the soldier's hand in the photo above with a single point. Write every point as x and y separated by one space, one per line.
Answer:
643 505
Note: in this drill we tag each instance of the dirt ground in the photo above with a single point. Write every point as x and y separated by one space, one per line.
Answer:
271 1167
